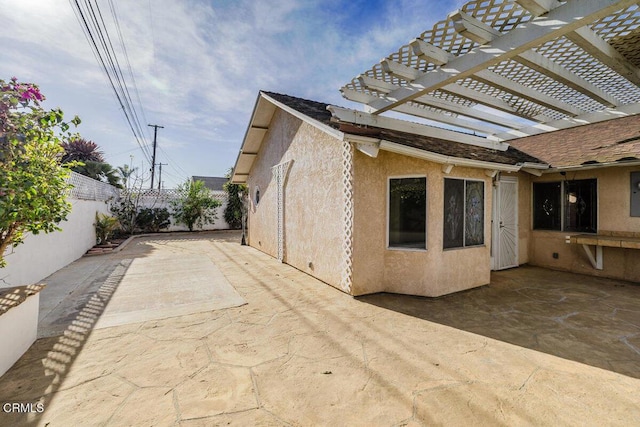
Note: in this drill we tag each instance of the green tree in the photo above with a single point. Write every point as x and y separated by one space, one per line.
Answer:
79 149
233 210
33 180
100 171
194 206
125 172
89 160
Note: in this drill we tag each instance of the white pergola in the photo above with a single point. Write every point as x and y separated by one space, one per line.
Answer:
504 69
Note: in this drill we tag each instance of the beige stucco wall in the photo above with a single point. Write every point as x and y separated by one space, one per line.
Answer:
613 215
432 272
312 198
524 217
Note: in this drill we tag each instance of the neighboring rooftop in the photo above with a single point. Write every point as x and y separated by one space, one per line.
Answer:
213 183
611 141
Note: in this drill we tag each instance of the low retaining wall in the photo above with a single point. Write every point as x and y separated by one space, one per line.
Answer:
18 322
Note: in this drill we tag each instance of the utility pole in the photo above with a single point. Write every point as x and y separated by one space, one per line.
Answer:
153 159
160 175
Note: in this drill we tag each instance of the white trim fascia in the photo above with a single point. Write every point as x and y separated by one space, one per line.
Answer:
534 172
530 165
443 159
536 169
367 145
321 126
362 118
243 179
630 163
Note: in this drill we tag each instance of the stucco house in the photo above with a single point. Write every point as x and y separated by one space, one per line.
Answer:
516 152
586 207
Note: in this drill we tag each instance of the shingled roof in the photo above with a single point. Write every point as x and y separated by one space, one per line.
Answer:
213 183
318 111
612 141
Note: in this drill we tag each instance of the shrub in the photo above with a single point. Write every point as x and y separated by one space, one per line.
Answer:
105 226
126 211
152 220
233 210
33 181
194 206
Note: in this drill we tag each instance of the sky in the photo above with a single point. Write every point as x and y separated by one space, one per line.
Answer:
198 66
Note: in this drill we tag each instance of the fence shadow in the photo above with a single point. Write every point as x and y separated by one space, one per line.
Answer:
589 320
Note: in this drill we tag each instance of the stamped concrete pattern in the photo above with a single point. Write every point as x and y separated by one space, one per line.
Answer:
301 353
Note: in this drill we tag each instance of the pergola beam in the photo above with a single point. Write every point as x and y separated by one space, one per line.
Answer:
556 23
362 118
481 98
400 70
472 28
449 119
522 91
538 7
488 77
456 108
452 107
377 85
590 42
482 33
443 104
551 69
429 52
597 47
584 119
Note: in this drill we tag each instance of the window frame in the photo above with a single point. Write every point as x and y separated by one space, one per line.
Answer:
464 213
426 211
563 206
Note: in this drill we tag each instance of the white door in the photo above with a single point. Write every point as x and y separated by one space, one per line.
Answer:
506 223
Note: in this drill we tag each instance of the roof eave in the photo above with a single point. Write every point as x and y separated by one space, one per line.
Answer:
394 147
241 177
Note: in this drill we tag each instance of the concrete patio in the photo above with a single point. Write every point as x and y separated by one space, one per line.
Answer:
197 330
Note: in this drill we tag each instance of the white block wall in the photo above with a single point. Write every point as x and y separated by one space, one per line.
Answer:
43 254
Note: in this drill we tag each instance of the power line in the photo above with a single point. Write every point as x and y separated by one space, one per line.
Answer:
174 164
181 171
97 35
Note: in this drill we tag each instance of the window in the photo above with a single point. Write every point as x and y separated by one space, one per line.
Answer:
463 222
257 195
408 213
547 211
565 206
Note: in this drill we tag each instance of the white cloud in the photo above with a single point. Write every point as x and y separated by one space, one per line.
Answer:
198 65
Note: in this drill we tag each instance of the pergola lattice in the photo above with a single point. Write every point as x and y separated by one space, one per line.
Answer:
503 69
